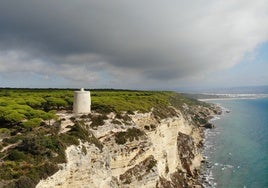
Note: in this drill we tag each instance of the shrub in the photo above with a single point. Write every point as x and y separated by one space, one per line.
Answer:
16 155
130 112
6 171
47 169
98 120
25 182
40 144
115 121
101 108
35 122
14 117
129 135
79 131
4 132
69 139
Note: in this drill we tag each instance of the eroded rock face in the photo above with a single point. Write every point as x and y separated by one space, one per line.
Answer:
177 180
143 172
143 152
186 151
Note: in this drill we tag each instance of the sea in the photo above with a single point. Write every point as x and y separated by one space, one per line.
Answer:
236 150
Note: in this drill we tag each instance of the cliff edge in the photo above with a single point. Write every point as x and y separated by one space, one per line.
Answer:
130 139
138 150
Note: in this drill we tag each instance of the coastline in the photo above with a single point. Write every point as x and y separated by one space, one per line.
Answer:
180 157
206 175
163 147
127 147
235 149
233 97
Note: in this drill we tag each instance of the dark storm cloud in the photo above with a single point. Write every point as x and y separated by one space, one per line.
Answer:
152 39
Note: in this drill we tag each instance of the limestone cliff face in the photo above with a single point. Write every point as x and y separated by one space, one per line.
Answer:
144 151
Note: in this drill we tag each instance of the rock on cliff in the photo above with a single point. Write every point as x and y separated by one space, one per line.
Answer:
141 150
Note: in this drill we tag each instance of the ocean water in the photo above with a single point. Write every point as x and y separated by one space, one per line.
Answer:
237 149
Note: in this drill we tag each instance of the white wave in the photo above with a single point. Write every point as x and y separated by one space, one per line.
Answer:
229 166
216 117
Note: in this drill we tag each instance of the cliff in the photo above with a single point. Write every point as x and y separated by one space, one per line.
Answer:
137 150
131 139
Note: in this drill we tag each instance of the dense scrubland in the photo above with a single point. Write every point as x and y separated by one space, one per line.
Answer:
31 145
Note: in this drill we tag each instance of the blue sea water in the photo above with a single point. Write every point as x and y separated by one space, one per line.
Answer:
237 149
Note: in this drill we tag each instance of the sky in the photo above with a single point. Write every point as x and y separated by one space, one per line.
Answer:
152 44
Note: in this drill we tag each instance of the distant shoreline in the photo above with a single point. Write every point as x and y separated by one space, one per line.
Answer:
212 97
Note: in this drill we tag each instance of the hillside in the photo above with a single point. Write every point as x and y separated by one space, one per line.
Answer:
131 138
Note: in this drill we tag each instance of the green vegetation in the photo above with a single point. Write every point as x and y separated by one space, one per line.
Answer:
97 120
129 101
17 106
80 131
129 135
36 153
35 146
4 132
32 123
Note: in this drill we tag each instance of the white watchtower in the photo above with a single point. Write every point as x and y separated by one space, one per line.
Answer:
82 102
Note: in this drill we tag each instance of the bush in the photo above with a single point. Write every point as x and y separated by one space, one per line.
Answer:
79 131
4 132
125 117
101 108
35 122
40 144
69 139
25 182
98 120
115 121
129 135
47 169
16 155
130 112
14 117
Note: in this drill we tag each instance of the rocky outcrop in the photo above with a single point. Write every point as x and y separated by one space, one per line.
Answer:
139 151
208 125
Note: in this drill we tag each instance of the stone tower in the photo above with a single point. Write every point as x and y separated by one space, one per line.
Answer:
82 102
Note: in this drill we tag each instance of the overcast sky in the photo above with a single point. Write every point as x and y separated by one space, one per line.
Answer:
137 44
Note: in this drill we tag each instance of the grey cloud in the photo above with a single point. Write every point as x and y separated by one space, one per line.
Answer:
153 39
